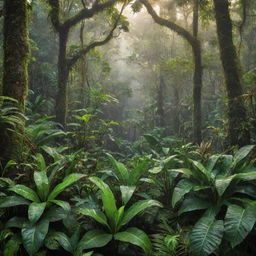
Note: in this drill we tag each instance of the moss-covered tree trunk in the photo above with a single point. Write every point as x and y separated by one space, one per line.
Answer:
15 74
238 133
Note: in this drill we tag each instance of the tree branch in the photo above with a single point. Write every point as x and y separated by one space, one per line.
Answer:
55 13
72 61
88 13
169 24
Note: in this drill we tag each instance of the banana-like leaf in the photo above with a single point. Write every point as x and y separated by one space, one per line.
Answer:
42 184
242 153
120 170
127 192
182 188
25 192
34 236
69 180
192 204
212 161
99 216
222 184
136 237
107 197
10 201
206 236
35 211
137 208
93 239
238 223
200 172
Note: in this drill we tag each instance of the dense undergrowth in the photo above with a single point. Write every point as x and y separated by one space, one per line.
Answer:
74 193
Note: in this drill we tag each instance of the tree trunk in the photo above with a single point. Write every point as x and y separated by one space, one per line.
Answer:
63 73
15 73
160 104
238 133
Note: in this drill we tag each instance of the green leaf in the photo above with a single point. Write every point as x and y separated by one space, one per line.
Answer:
137 208
107 197
62 239
120 170
17 222
223 183
69 180
238 223
181 189
40 162
118 218
200 172
94 239
206 236
137 172
243 152
64 205
212 162
26 192
34 236
156 170
96 215
11 248
192 204
127 192
10 201
35 211
136 237
42 184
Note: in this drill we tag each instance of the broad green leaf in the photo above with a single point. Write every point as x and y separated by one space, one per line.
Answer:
243 152
120 170
223 183
96 215
69 180
107 197
136 237
137 208
42 184
212 162
94 239
248 176
6 182
62 239
206 236
34 236
239 223
156 170
35 211
127 192
26 192
200 172
64 205
137 172
17 222
181 189
192 204
40 162
12 246
10 201
118 218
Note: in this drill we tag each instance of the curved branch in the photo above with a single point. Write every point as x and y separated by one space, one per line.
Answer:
72 61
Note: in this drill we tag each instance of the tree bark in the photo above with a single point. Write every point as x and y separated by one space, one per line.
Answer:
198 70
238 133
15 73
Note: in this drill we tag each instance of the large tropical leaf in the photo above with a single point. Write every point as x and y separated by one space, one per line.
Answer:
10 201
200 172
206 236
120 170
223 183
35 211
192 204
127 192
107 197
42 184
212 161
26 192
137 208
242 153
34 236
137 237
238 223
96 215
69 180
93 239
137 172
183 187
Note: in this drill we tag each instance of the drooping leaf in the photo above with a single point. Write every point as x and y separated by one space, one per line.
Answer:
206 236
69 180
136 237
238 223
35 211
26 192
10 201
94 239
137 208
34 236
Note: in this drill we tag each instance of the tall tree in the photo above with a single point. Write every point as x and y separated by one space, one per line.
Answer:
192 39
65 62
15 73
238 133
